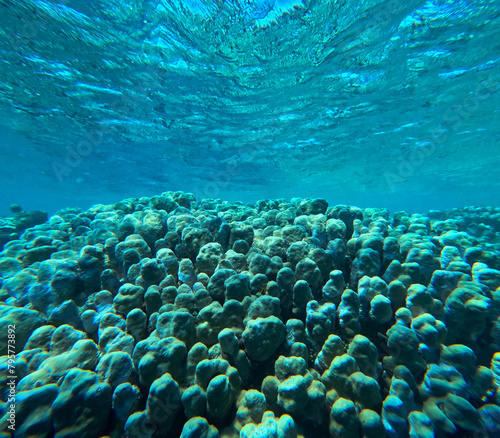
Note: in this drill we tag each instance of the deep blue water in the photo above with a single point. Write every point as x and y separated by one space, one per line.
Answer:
371 103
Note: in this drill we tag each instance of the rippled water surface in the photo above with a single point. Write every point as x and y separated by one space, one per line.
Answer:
392 103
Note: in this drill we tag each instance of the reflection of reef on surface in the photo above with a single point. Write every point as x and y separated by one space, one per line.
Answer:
165 316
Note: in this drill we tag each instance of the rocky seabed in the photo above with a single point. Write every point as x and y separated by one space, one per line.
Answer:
166 317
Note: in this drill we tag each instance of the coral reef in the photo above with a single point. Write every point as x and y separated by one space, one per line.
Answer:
168 316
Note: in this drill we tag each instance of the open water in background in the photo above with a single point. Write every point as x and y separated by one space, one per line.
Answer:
370 103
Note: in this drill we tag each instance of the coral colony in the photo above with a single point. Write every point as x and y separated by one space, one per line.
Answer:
167 317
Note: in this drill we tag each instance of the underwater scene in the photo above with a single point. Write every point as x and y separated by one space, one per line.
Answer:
250 218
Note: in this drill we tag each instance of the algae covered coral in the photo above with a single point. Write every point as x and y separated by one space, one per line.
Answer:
167 317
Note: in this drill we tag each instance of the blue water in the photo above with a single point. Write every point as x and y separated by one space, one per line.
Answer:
371 103
392 104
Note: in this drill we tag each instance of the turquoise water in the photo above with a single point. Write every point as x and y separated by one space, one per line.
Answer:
370 103
249 219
